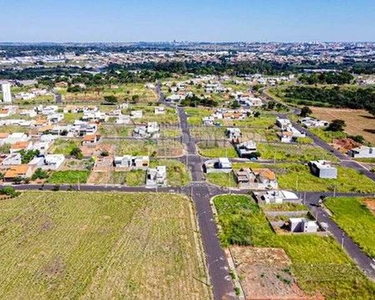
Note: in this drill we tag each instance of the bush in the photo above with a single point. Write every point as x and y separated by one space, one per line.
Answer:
9 191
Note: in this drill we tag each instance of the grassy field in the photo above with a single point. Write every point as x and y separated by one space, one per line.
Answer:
123 91
222 179
64 146
318 263
168 118
195 115
177 172
216 149
69 177
356 220
327 136
298 177
358 122
293 152
162 148
73 245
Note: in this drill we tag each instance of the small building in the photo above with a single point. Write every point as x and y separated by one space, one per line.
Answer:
156 176
362 152
22 171
280 196
136 114
302 225
160 110
151 130
283 123
22 145
220 165
258 179
11 159
233 133
323 169
90 139
246 149
131 162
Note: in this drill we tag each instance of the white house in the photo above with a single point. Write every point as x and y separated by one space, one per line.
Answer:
279 197
159 110
362 152
302 225
156 176
132 162
283 123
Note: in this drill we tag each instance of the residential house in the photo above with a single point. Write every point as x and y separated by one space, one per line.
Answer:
362 152
11 159
233 133
15 137
160 110
280 196
258 179
18 146
156 176
220 165
323 169
302 225
246 149
283 123
312 122
131 162
90 139
22 171
151 130
136 114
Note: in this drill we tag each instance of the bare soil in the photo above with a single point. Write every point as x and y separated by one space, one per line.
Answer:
358 122
265 273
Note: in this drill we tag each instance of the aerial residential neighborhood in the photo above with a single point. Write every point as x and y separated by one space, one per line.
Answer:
198 150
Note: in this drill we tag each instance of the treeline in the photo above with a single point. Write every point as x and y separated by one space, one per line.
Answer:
361 98
195 101
327 78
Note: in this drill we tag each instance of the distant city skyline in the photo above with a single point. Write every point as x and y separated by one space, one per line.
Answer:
205 20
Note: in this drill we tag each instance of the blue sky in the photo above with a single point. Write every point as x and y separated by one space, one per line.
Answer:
193 20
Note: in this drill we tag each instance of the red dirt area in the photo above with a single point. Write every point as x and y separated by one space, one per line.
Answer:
370 203
265 273
344 145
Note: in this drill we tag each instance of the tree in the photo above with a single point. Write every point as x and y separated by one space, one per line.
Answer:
104 153
76 153
235 104
336 125
39 174
305 111
110 99
9 191
135 98
257 114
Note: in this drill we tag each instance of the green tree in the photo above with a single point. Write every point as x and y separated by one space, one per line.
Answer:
336 125
305 111
76 153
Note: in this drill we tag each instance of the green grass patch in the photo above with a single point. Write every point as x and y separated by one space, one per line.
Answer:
71 245
177 172
222 179
294 152
216 149
298 177
69 177
318 263
353 216
64 146
327 136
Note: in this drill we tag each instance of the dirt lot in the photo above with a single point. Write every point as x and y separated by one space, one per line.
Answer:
370 203
358 122
266 274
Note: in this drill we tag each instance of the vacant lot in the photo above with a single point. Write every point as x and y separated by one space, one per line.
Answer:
159 148
69 177
358 122
266 273
356 220
318 263
72 245
64 146
298 177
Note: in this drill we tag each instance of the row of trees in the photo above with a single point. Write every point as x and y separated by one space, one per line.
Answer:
327 78
361 98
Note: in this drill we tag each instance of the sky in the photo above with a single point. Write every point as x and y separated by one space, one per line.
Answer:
192 20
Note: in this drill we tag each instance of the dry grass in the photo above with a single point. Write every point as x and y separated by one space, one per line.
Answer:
73 245
358 122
